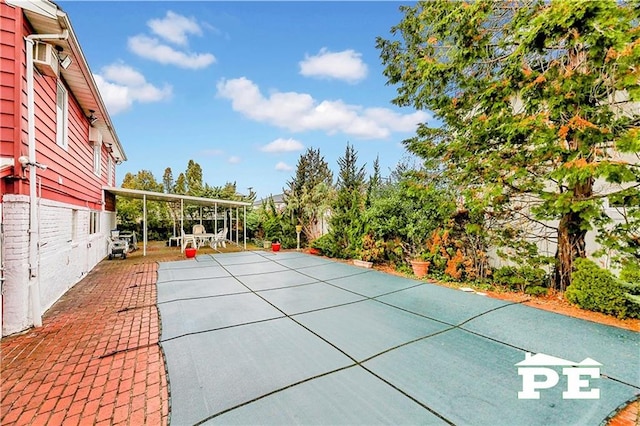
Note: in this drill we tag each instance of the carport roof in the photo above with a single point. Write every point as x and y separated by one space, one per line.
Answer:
160 196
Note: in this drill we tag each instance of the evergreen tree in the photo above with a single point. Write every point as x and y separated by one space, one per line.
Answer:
193 176
181 185
167 181
538 104
309 193
346 214
374 181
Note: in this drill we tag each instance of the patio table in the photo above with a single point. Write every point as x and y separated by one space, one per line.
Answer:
205 238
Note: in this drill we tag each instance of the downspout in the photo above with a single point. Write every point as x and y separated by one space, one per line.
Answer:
34 231
144 230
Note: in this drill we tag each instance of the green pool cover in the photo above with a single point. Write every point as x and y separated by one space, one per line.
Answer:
288 338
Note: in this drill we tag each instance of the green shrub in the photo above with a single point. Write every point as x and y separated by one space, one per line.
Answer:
324 244
403 268
630 277
630 272
522 278
597 289
536 290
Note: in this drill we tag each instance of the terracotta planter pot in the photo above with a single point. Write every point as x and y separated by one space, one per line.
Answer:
314 251
190 252
420 267
275 246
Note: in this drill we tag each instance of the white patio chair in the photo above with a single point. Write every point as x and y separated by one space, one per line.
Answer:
199 229
219 238
188 239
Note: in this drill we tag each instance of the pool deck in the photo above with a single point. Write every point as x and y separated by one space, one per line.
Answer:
97 358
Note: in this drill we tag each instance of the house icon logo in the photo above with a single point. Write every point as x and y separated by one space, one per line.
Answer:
540 371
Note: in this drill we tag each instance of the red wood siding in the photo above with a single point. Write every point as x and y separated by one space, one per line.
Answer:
7 78
69 176
10 75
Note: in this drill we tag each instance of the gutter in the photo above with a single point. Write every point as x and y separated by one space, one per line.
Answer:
34 226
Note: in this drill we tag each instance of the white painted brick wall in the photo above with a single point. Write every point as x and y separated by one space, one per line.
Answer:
15 247
62 262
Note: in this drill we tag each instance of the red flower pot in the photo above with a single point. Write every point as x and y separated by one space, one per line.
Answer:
190 252
275 246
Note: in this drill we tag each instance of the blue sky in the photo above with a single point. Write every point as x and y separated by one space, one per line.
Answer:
243 88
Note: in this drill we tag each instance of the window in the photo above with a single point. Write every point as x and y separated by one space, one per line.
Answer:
62 114
74 225
110 171
97 158
94 222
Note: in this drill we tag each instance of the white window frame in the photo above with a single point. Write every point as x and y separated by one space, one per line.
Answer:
62 116
74 225
94 222
110 172
97 158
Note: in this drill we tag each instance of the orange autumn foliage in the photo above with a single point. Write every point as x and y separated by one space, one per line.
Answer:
453 265
540 79
564 130
580 123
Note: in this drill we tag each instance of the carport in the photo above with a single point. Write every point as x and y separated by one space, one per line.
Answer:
183 199
289 338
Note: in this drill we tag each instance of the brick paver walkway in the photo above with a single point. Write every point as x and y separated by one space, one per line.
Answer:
96 359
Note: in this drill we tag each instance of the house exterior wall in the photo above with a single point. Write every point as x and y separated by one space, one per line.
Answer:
12 93
67 193
15 246
69 177
67 253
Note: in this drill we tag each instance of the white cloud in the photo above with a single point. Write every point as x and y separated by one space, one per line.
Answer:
175 28
233 159
151 48
120 86
283 167
123 74
395 121
299 112
115 97
283 145
346 65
